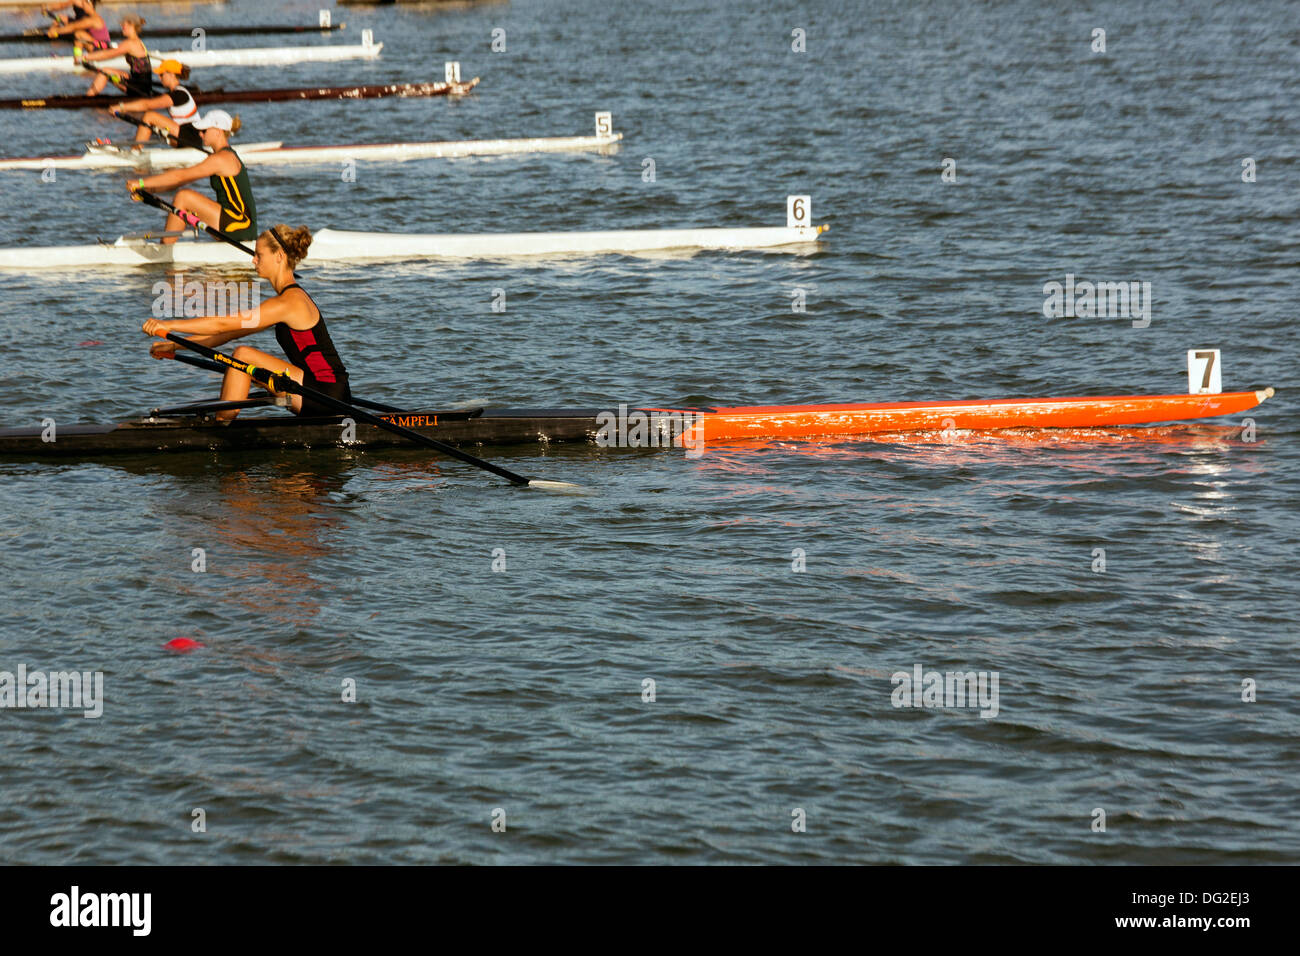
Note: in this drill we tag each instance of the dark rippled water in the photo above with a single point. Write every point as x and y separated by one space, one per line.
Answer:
521 689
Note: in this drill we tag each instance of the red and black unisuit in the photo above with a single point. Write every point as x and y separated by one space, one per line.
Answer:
313 351
99 36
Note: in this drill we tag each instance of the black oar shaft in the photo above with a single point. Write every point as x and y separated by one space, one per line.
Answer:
157 130
159 203
221 369
278 381
199 362
28 35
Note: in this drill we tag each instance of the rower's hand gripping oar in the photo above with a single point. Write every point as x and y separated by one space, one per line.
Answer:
279 382
117 79
158 202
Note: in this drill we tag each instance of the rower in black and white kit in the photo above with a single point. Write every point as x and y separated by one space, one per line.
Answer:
181 109
300 330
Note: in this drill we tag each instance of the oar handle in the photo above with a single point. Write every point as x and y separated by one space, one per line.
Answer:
159 203
279 382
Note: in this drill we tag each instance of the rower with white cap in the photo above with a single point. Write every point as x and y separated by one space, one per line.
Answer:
234 211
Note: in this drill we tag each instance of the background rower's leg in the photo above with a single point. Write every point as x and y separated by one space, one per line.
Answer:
142 133
203 207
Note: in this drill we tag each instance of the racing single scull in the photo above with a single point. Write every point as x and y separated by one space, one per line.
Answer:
99 157
124 156
37 34
193 428
367 49
42 3
284 94
338 246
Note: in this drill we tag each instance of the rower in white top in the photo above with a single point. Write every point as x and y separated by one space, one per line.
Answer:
179 103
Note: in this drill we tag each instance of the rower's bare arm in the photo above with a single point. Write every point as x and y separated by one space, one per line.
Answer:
141 106
83 23
89 56
165 348
225 327
218 164
267 314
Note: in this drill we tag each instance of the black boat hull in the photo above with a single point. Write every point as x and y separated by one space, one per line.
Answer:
490 427
208 97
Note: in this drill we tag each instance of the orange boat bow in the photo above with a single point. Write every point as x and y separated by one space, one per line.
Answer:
811 421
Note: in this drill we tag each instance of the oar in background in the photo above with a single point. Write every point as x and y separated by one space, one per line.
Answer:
135 120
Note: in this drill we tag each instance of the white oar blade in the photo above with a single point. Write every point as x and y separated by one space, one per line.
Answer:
563 487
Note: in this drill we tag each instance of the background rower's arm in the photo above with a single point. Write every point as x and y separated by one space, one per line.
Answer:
215 165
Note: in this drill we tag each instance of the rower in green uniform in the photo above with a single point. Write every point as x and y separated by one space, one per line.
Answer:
234 211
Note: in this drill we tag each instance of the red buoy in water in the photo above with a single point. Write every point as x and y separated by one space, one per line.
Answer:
183 645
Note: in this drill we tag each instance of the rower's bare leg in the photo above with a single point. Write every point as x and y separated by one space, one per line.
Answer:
206 209
161 120
235 386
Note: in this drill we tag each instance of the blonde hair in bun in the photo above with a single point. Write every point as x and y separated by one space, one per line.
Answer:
294 242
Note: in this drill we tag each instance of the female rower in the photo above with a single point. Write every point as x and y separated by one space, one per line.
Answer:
234 211
179 103
299 329
137 79
89 29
